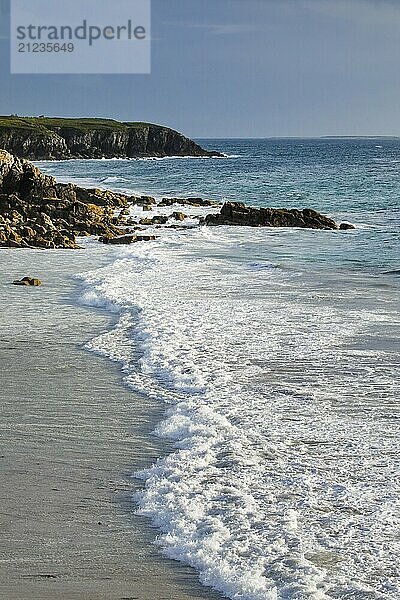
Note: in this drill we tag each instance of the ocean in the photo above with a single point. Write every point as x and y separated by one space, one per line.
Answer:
276 355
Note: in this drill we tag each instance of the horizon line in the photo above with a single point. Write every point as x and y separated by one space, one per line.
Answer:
299 137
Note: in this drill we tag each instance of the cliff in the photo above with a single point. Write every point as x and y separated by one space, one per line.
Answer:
43 138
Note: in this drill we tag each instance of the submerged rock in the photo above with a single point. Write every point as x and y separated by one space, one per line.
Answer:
181 227
145 201
146 238
28 281
126 239
156 220
178 216
123 239
236 213
187 202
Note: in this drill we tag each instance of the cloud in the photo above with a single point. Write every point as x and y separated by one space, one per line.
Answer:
369 13
221 28
231 28
376 13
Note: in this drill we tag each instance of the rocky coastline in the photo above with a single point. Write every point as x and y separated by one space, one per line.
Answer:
38 212
45 138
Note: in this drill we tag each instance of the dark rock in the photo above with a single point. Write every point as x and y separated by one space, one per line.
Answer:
31 281
156 220
178 216
143 200
167 202
176 226
345 226
146 238
100 197
123 239
127 239
187 202
236 213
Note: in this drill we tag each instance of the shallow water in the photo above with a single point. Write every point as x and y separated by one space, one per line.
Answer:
276 353
70 435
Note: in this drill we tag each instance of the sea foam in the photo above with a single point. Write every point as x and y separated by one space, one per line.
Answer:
274 489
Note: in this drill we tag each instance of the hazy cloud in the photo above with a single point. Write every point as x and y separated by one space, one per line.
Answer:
231 28
376 13
221 28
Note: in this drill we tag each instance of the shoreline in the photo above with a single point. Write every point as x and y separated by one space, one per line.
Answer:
73 434
319 284
36 211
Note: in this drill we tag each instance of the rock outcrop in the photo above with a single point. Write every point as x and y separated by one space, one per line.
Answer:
28 281
236 213
36 211
55 138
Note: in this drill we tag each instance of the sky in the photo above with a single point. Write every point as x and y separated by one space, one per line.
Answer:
241 68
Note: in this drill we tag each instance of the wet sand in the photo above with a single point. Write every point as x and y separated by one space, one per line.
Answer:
71 437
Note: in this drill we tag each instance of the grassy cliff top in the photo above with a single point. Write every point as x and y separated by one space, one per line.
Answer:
51 123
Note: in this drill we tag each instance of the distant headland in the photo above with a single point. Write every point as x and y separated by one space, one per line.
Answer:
53 138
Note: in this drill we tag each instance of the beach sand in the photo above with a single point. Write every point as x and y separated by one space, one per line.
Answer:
71 437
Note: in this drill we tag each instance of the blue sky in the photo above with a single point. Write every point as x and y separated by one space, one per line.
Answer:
242 68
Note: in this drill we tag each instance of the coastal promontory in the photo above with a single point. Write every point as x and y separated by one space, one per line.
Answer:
47 138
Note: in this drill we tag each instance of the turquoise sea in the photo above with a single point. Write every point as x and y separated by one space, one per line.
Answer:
276 354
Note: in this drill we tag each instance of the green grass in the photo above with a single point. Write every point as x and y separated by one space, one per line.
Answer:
49 124
139 125
16 123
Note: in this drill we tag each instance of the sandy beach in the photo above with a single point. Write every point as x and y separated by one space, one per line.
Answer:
71 437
